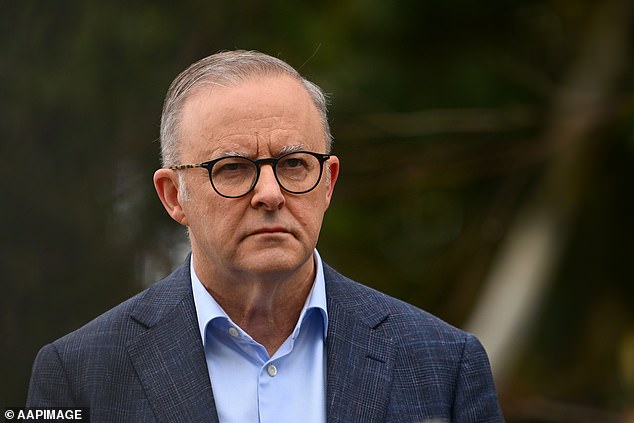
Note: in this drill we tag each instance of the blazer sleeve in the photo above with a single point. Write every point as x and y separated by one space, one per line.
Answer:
49 385
475 395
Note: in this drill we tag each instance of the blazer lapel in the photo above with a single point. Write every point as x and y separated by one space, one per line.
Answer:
169 358
360 358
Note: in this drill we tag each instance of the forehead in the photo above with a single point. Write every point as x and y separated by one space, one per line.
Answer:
257 117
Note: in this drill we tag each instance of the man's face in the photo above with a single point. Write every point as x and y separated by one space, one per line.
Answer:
269 232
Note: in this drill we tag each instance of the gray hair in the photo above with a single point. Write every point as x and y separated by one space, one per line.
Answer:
228 68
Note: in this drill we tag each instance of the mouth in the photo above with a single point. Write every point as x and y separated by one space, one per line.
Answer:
270 230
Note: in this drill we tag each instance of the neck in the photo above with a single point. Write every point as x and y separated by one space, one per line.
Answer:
266 308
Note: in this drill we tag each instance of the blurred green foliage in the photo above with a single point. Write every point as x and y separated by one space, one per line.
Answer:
438 112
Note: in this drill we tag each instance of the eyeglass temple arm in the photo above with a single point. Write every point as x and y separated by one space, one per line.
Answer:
186 166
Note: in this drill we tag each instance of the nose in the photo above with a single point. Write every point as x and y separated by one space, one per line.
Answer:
267 193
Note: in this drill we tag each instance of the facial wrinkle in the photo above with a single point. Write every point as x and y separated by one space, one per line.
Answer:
257 144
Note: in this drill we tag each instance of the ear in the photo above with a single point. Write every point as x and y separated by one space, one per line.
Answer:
167 187
332 167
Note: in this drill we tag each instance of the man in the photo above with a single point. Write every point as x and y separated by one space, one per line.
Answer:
254 327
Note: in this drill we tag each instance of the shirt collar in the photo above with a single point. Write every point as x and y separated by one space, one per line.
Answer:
207 309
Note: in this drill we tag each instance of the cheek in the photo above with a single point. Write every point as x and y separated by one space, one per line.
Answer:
207 215
222 217
310 215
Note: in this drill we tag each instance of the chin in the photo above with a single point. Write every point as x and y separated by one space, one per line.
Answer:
273 262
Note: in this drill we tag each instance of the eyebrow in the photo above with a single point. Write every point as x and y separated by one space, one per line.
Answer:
284 150
231 153
292 148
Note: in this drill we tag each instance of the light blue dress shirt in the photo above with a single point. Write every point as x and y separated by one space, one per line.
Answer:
249 385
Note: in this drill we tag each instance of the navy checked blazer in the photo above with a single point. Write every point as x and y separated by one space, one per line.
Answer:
387 361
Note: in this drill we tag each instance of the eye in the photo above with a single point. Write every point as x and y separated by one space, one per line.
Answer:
233 167
294 162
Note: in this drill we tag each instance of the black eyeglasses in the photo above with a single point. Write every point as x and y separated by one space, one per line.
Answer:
236 176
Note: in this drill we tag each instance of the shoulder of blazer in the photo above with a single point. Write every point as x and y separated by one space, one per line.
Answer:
132 316
398 319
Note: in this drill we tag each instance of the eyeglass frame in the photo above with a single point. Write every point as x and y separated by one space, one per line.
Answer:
272 161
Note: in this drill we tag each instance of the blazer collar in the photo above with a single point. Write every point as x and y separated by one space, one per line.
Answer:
360 357
168 356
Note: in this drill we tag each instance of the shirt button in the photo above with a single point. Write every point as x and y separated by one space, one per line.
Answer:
271 370
233 332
